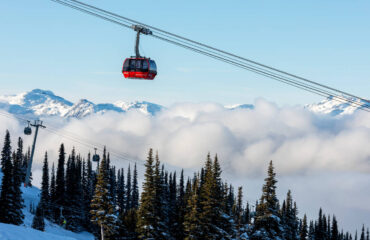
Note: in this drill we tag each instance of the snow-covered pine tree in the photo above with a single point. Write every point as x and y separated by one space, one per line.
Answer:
146 213
38 220
267 223
102 208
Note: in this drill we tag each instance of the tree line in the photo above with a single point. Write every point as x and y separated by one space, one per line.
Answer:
106 201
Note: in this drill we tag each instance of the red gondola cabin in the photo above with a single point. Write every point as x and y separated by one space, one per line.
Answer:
139 68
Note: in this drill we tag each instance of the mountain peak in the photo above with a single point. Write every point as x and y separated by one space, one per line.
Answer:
334 106
41 91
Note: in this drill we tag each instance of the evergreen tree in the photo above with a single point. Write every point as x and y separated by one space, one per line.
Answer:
73 193
334 230
324 227
135 190
52 194
128 189
102 209
6 152
18 202
121 190
303 229
362 237
192 230
38 220
146 213
88 181
181 205
311 231
172 206
45 197
60 184
161 201
18 161
289 218
239 210
319 230
267 222
10 198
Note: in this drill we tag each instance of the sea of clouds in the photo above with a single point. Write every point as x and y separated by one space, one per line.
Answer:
317 156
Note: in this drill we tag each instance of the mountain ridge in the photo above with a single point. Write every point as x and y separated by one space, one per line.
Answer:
44 103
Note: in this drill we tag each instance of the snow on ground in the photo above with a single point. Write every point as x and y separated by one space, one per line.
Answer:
25 232
12 232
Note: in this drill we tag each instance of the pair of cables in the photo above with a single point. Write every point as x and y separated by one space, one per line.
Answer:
224 56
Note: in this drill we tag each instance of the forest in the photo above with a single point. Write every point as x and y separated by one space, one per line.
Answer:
107 201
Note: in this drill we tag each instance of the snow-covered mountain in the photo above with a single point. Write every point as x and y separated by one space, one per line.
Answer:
335 107
43 103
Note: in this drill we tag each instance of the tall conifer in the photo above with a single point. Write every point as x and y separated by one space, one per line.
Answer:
267 222
146 212
102 208
45 197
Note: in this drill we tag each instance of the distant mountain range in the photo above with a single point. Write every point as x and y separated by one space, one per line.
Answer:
44 103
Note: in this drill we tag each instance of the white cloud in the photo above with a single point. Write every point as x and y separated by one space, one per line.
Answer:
295 139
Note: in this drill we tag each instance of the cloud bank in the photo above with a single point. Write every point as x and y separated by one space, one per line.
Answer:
297 140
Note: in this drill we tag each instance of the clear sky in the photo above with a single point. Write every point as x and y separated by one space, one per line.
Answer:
46 45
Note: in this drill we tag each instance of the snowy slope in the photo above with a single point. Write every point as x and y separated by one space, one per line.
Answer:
334 107
24 232
44 103
12 232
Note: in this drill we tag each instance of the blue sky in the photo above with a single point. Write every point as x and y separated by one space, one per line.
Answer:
46 45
